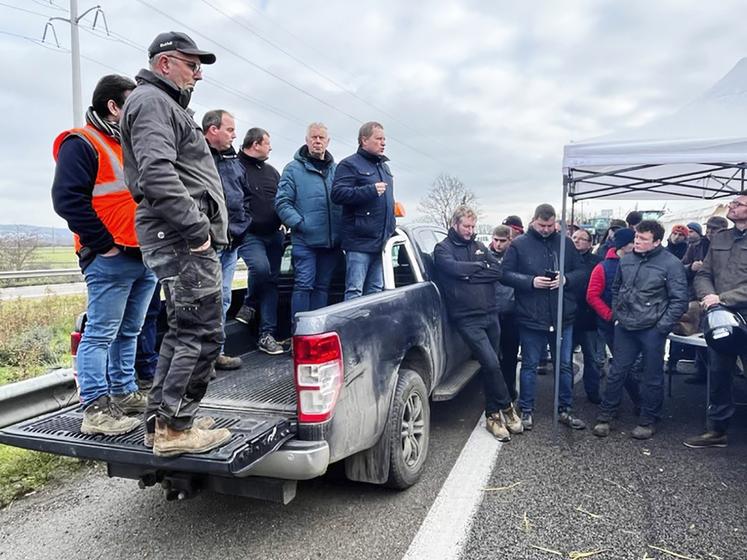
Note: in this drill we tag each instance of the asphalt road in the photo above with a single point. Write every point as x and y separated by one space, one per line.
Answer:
634 494
92 516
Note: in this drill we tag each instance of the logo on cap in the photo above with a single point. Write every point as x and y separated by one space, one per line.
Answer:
166 44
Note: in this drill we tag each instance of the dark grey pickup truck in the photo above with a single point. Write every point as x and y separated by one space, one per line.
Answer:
356 389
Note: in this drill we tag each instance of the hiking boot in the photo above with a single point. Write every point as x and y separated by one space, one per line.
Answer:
246 314
571 421
269 345
496 426
527 421
601 429
227 362
512 420
132 403
643 432
203 423
169 442
101 417
708 439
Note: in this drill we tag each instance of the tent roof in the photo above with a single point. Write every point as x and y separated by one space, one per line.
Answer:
697 152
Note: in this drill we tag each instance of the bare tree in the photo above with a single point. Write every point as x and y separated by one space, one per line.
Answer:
17 249
446 193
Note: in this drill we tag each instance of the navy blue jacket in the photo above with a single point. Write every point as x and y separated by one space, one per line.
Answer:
304 203
466 274
367 218
235 190
529 255
262 186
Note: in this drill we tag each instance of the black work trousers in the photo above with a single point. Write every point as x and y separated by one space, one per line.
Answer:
483 334
192 286
509 356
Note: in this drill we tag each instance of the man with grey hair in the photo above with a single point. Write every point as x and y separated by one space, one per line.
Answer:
180 222
364 187
304 205
467 273
262 246
219 128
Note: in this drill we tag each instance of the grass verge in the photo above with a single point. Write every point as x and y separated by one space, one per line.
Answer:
23 471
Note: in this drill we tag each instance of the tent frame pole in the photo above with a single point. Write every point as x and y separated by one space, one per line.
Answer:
561 291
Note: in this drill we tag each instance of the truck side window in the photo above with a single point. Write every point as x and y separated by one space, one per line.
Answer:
403 274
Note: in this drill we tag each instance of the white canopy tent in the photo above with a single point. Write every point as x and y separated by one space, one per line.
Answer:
698 152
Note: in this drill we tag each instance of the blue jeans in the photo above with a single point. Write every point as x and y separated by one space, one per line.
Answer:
628 345
533 344
313 268
119 292
364 274
228 259
147 351
590 340
263 255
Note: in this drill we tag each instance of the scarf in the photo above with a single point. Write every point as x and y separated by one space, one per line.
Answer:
102 125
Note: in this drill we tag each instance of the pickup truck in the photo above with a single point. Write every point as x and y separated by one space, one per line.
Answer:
356 388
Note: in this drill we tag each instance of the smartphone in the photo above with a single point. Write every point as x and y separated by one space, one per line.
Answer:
551 274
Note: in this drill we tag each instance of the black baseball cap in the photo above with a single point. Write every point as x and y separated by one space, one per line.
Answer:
177 41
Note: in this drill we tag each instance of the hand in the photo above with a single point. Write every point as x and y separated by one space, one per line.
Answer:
555 284
710 300
544 283
380 188
114 251
204 247
696 266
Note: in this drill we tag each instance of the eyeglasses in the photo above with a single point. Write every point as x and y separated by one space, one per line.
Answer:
736 204
196 67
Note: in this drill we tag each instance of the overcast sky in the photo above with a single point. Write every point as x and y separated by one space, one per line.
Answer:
487 91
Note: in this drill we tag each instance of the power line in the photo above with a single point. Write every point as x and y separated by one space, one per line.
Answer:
278 77
240 22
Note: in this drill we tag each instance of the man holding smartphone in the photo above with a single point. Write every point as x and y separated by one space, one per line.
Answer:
531 268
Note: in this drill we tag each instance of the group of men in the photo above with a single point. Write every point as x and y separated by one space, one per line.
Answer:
158 203
629 299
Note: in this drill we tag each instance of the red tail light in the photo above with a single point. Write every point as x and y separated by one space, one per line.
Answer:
317 363
75 337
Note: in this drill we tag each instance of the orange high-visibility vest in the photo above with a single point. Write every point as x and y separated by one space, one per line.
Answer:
112 201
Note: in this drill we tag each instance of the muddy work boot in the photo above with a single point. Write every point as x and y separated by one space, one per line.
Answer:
512 419
131 403
203 423
227 362
170 442
496 426
643 432
102 418
601 429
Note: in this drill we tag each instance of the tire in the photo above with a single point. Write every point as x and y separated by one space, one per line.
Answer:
408 430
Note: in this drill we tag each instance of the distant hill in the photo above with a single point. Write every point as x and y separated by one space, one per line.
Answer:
47 235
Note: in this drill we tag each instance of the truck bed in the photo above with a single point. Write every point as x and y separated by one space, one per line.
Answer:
256 402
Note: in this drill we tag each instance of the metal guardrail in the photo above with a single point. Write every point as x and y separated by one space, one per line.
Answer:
61 272
39 395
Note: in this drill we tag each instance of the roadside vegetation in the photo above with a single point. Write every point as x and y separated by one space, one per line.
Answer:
35 335
23 472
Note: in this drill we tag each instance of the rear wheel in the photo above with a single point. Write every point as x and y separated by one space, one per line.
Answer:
408 430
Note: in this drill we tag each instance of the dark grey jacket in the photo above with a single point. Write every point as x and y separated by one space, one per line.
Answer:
649 290
724 271
169 169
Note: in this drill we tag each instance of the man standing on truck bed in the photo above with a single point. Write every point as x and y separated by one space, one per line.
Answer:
181 221
89 192
467 273
364 187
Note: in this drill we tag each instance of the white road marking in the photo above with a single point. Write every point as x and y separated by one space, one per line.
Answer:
445 529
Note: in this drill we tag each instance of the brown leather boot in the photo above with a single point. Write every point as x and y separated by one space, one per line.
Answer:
169 442
202 422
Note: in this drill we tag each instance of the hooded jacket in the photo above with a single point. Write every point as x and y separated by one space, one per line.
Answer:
304 202
649 290
169 169
531 255
466 274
